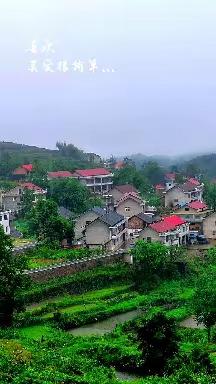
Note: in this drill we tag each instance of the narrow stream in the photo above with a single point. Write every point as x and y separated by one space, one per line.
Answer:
101 327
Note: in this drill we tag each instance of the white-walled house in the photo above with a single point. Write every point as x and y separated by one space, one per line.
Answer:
5 221
172 230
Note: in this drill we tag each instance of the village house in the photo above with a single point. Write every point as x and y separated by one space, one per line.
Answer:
169 180
172 230
129 205
94 158
22 172
98 180
209 227
119 191
11 200
5 221
193 189
195 213
138 222
58 175
175 196
85 219
107 232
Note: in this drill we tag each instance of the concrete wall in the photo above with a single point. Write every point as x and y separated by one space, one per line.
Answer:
175 196
148 232
209 226
134 206
97 233
80 223
5 222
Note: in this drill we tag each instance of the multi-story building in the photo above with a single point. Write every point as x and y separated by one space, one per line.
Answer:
98 180
108 232
195 213
193 189
129 205
5 221
172 230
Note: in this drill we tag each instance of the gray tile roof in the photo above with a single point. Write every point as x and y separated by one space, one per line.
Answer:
100 211
112 218
149 219
64 212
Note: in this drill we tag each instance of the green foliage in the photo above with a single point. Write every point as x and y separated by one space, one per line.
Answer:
47 225
205 302
153 173
71 194
158 342
210 195
153 261
11 280
27 201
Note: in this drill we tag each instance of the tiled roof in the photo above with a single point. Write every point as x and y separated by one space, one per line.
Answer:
197 205
91 172
32 187
27 167
59 174
111 218
119 165
194 181
159 187
167 224
130 195
149 219
20 171
170 176
126 188
64 212
98 210
188 186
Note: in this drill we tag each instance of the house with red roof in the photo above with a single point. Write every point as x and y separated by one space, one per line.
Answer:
194 212
34 188
171 230
118 191
22 171
58 175
98 180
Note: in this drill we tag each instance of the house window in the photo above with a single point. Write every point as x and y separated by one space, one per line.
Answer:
5 217
6 229
213 233
127 209
88 222
167 239
0 218
175 200
149 239
215 222
186 209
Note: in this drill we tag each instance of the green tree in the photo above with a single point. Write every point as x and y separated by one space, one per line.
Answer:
210 195
130 175
153 173
27 202
48 226
11 280
205 302
158 342
71 194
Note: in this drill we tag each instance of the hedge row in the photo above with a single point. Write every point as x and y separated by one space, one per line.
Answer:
97 278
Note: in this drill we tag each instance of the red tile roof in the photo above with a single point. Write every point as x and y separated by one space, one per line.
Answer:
197 205
91 172
130 195
159 186
59 174
28 167
20 171
126 188
32 187
167 224
170 176
194 181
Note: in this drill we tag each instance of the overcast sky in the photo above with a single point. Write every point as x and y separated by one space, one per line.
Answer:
158 98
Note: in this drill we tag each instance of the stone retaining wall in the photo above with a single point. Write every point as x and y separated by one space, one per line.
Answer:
71 267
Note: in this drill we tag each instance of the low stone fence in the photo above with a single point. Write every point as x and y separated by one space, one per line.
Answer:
71 267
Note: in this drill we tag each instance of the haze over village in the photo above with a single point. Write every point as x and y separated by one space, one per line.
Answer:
108 192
